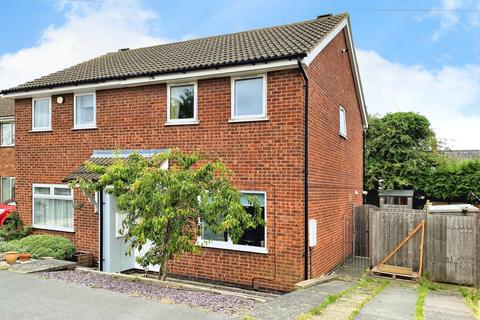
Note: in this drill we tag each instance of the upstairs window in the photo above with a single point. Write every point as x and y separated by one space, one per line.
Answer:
84 113
253 239
41 114
7 188
182 103
249 98
7 134
343 122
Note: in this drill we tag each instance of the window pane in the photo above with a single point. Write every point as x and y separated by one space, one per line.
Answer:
249 97
12 188
53 213
62 192
41 113
5 189
253 236
7 133
208 234
343 122
85 110
42 190
182 101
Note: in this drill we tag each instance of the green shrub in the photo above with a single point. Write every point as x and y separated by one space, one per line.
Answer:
13 228
41 246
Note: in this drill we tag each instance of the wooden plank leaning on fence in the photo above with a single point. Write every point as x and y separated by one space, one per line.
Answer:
404 270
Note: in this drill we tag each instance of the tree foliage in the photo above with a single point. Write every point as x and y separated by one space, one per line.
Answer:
401 150
455 181
164 207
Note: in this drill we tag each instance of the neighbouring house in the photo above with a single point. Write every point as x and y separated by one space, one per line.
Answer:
463 154
282 106
7 150
396 199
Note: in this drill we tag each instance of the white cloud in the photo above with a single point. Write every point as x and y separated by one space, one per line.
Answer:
90 29
441 95
449 13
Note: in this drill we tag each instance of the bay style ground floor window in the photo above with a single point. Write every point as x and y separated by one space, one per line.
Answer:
7 188
253 239
53 207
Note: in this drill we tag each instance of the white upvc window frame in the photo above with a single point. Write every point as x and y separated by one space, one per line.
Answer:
85 126
4 121
12 180
342 131
193 120
246 118
229 245
47 128
52 196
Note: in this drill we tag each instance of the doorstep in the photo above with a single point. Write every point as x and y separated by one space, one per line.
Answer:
46 265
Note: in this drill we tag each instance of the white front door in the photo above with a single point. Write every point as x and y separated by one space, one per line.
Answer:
114 246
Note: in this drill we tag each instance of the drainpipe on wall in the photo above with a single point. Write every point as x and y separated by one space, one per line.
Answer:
100 218
305 186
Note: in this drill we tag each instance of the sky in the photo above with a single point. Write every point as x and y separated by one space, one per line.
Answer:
421 56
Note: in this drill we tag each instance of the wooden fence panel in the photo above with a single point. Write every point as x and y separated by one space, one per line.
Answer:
361 230
452 248
388 228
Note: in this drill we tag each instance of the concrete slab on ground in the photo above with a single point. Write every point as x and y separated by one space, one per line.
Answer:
42 266
55 300
445 305
396 302
291 305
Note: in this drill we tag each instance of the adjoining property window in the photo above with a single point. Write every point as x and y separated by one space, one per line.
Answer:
253 239
249 98
84 111
7 188
41 114
7 134
182 103
53 207
343 122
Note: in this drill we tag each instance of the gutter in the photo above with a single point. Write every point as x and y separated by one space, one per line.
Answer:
305 185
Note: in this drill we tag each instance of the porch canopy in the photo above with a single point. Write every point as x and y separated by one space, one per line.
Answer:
106 158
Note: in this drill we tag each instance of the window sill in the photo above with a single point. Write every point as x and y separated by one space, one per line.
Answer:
193 122
230 246
40 130
344 136
238 120
83 128
71 230
7 146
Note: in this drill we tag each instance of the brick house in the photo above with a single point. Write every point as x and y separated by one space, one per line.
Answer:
282 106
7 150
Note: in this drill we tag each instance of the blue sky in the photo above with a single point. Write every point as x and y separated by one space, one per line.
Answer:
414 55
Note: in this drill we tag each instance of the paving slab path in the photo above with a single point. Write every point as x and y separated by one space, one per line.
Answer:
350 301
25 297
291 305
446 305
396 302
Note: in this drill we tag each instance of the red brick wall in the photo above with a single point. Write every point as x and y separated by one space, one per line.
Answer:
265 156
7 162
335 171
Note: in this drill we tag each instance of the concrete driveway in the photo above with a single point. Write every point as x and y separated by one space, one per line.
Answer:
31 298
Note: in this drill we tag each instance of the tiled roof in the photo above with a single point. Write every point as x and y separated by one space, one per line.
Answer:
280 42
463 154
83 173
7 108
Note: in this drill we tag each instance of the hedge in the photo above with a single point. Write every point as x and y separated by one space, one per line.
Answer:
41 246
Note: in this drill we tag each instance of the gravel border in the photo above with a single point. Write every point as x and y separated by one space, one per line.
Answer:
204 300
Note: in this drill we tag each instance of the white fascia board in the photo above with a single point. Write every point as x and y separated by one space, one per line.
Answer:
172 77
345 24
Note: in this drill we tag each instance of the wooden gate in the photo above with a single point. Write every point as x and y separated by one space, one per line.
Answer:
452 243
